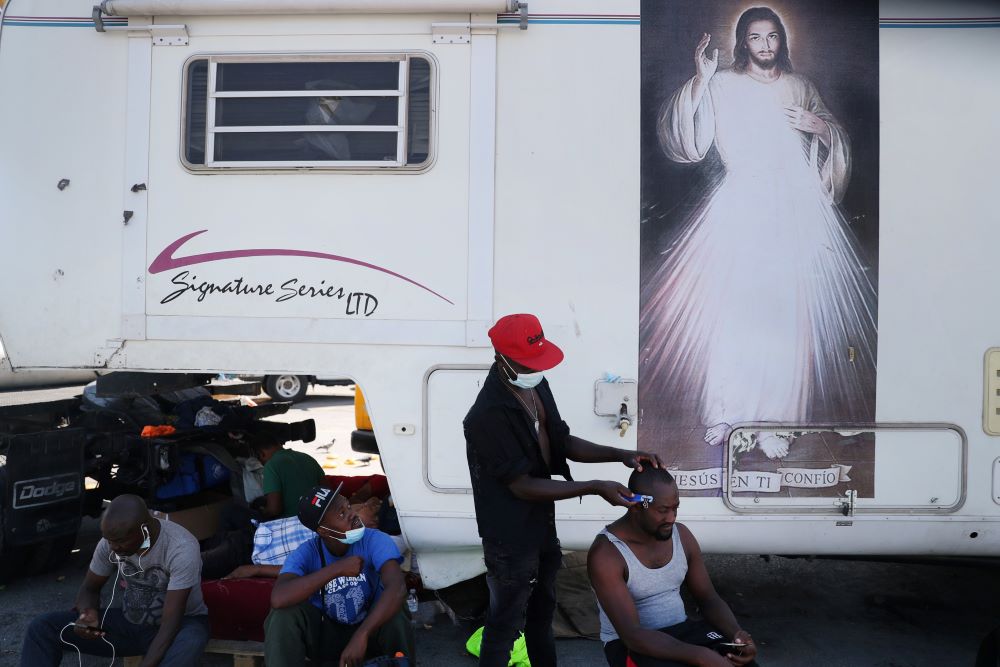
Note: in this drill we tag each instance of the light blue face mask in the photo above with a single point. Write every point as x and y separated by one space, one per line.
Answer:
523 380
350 537
528 380
146 542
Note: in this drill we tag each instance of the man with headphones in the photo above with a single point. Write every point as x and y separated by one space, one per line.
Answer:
162 616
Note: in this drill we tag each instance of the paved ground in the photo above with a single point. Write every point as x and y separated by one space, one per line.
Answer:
802 612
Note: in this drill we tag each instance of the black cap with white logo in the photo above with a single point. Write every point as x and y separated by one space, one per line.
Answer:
314 505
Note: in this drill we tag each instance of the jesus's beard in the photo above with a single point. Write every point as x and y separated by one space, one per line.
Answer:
762 63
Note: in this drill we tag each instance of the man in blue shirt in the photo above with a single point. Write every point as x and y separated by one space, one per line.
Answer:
340 595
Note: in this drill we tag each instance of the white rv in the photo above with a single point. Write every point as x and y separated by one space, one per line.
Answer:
359 188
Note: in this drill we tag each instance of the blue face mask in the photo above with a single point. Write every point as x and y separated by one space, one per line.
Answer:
146 542
350 537
522 380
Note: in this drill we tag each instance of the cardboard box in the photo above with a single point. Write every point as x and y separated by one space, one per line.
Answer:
202 520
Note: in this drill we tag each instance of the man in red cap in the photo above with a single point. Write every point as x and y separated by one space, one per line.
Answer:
515 441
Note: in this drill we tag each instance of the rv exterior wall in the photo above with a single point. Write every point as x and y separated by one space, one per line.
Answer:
68 239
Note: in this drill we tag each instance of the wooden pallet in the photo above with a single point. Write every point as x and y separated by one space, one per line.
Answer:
245 654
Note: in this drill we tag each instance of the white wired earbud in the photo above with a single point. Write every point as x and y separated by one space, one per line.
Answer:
116 559
148 544
79 655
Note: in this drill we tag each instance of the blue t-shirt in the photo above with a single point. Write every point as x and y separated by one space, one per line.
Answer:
346 599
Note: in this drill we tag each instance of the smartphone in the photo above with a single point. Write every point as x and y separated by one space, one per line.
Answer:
89 627
729 647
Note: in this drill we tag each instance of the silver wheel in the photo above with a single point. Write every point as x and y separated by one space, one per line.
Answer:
286 387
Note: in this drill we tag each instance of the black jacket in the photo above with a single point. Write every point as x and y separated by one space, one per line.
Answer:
501 445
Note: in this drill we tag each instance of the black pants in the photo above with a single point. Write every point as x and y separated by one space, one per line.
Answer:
989 650
42 646
232 545
294 633
698 633
522 582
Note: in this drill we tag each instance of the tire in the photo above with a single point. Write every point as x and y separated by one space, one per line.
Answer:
35 559
51 554
363 441
286 387
13 562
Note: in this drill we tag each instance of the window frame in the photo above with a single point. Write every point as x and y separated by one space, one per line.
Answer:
402 127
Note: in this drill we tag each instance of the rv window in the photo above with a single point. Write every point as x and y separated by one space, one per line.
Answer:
317 111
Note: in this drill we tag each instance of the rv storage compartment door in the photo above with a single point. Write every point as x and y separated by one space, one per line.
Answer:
448 395
911 468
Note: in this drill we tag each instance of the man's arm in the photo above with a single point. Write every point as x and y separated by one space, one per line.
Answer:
500 456
250 571
713 608
273 505
88 605
538 489
291 589
170 623
362 494
89 595
606 568
584 451
389 603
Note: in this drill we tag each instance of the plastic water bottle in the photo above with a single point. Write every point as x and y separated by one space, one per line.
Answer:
412 603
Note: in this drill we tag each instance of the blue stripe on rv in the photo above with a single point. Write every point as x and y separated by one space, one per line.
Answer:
48 22
569 19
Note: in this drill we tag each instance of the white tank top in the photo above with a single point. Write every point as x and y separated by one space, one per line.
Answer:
656 592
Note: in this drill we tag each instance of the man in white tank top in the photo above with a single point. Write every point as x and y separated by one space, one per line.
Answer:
637 566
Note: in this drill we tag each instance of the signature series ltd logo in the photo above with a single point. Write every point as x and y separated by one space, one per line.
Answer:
355 303
186 283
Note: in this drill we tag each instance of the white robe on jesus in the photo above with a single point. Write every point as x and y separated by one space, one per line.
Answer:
762 303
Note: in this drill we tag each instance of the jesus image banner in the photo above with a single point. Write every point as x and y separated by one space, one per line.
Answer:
759 236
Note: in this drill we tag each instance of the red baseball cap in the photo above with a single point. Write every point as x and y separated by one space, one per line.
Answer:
520 337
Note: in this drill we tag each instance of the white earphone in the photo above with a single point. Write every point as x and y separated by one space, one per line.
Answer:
113 557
